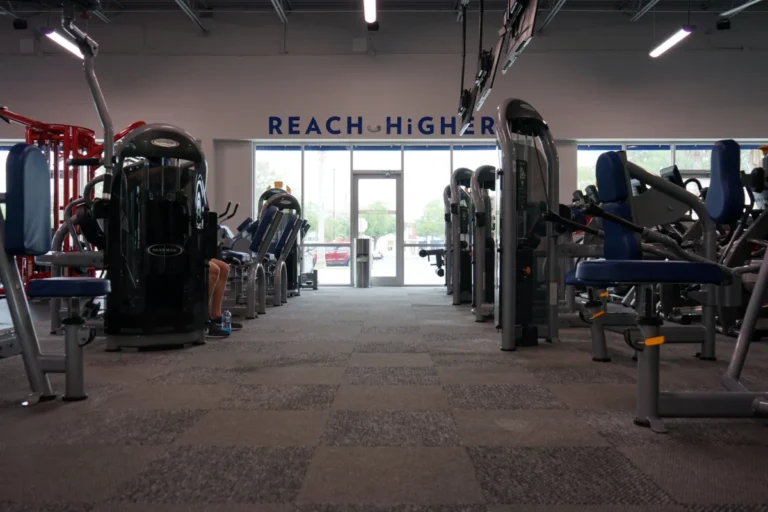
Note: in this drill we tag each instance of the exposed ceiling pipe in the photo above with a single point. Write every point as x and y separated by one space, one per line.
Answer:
6 12
736 10
189 12
552 13
103 17
278 5
642 12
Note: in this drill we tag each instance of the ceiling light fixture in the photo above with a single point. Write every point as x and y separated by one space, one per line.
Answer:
64 42
678 36
369 8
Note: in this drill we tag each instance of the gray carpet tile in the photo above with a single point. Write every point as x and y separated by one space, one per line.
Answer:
125 427
138 358
194 507
390 508
619 429
8 506
388 376
208 474
391 475
488 375
469 337
390 397
598 397
474 360
305 359
257 428
70 473
586 374
329 375
286 397
391 347
391 428
576 475
705 475
410 359
726 508
501 396
196 375
391 329
539 427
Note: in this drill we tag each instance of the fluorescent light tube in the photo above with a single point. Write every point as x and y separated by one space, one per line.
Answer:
369 7
678 36
65 43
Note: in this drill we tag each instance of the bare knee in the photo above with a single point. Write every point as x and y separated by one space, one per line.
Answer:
213 272
222 267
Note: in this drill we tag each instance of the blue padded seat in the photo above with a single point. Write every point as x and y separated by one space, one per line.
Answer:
65 287
610 272
240 257
28 202
264 223
725 197
572 280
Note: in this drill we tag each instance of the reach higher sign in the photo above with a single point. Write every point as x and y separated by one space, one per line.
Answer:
393 126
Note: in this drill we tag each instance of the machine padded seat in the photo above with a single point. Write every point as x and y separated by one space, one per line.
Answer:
609 272
264 223
66 287
28 202
572 280
240 257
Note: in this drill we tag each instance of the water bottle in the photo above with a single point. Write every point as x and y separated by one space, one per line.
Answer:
226 321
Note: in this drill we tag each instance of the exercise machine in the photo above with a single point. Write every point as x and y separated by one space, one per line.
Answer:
461 236
526 290
724 205
484 247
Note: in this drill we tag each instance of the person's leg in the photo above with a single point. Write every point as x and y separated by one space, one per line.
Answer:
218 294
218 291
214 276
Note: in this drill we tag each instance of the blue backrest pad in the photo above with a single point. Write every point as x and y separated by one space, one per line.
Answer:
28 202
289 225
620 243
266 220
611 178
725 197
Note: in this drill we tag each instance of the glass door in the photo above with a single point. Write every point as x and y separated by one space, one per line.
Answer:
377 213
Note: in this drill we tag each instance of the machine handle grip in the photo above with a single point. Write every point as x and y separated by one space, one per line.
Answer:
223 216
234 212
558 219
593 209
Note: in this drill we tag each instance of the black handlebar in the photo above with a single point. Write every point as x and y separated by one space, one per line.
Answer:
593 209
550 216
226 211
226 215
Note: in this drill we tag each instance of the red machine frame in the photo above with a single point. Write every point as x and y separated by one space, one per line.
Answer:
60 143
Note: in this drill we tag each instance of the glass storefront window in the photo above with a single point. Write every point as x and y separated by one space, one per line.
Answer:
277 163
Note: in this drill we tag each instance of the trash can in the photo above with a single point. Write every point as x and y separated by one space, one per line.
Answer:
363 262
